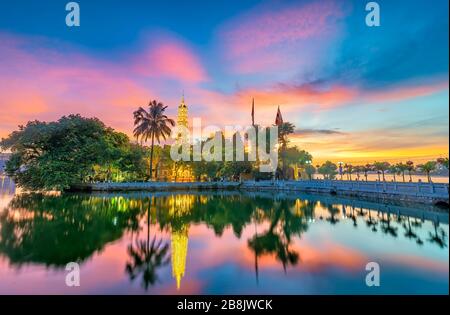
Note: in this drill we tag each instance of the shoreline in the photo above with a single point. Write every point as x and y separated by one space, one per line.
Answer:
423 193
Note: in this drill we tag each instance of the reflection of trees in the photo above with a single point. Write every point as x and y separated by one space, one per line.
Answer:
386 226
147 256
409 233
286 219
352 216
334 211
371 222
55 230
439 237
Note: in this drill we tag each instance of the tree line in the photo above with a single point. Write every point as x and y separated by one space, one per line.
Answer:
74 149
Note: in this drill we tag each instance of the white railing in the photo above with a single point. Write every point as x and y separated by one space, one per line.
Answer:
434 190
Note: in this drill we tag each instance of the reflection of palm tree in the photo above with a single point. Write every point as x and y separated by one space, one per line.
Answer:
147 257
361 212
371 222
353 216
409 232
334 211
386 226
439 239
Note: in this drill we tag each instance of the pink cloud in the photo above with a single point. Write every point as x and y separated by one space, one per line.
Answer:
39 82
173 60
259 30
271 37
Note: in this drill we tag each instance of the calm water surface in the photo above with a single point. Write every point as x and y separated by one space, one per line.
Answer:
226 243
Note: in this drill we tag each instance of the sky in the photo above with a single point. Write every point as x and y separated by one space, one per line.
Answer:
355 93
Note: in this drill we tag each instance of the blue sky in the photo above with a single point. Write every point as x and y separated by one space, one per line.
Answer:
354 92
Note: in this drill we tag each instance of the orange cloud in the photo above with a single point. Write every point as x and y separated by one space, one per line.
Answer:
406 92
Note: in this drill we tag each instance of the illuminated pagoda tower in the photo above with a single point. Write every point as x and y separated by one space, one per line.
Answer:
182 173
180 206
182 121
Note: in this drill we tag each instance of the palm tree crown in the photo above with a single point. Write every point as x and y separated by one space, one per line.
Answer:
152 122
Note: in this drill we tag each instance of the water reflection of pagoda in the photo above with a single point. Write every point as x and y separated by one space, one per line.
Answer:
180 206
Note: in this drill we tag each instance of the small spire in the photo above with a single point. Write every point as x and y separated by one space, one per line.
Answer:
182 97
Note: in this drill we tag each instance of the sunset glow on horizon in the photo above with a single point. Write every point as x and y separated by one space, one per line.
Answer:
355 93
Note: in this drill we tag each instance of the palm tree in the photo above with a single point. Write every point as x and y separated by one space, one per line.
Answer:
366 168
410 165
152 124
402 168
348 169
381 167
428 167
393 169
357 170
284 130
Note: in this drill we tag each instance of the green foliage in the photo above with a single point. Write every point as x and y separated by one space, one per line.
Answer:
328 170
57 155
443 162
310 170
294 155
428 167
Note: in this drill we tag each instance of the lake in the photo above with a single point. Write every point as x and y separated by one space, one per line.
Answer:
219 243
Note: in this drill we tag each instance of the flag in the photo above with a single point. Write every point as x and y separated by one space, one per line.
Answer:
279 118
253 111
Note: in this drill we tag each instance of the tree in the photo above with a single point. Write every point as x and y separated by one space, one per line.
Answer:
402 168
410 169
57 155
443 162
328 170
381 167
357 170
284 130
393 169
295 156
310 170
366 168
152 124
428 167
348 168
